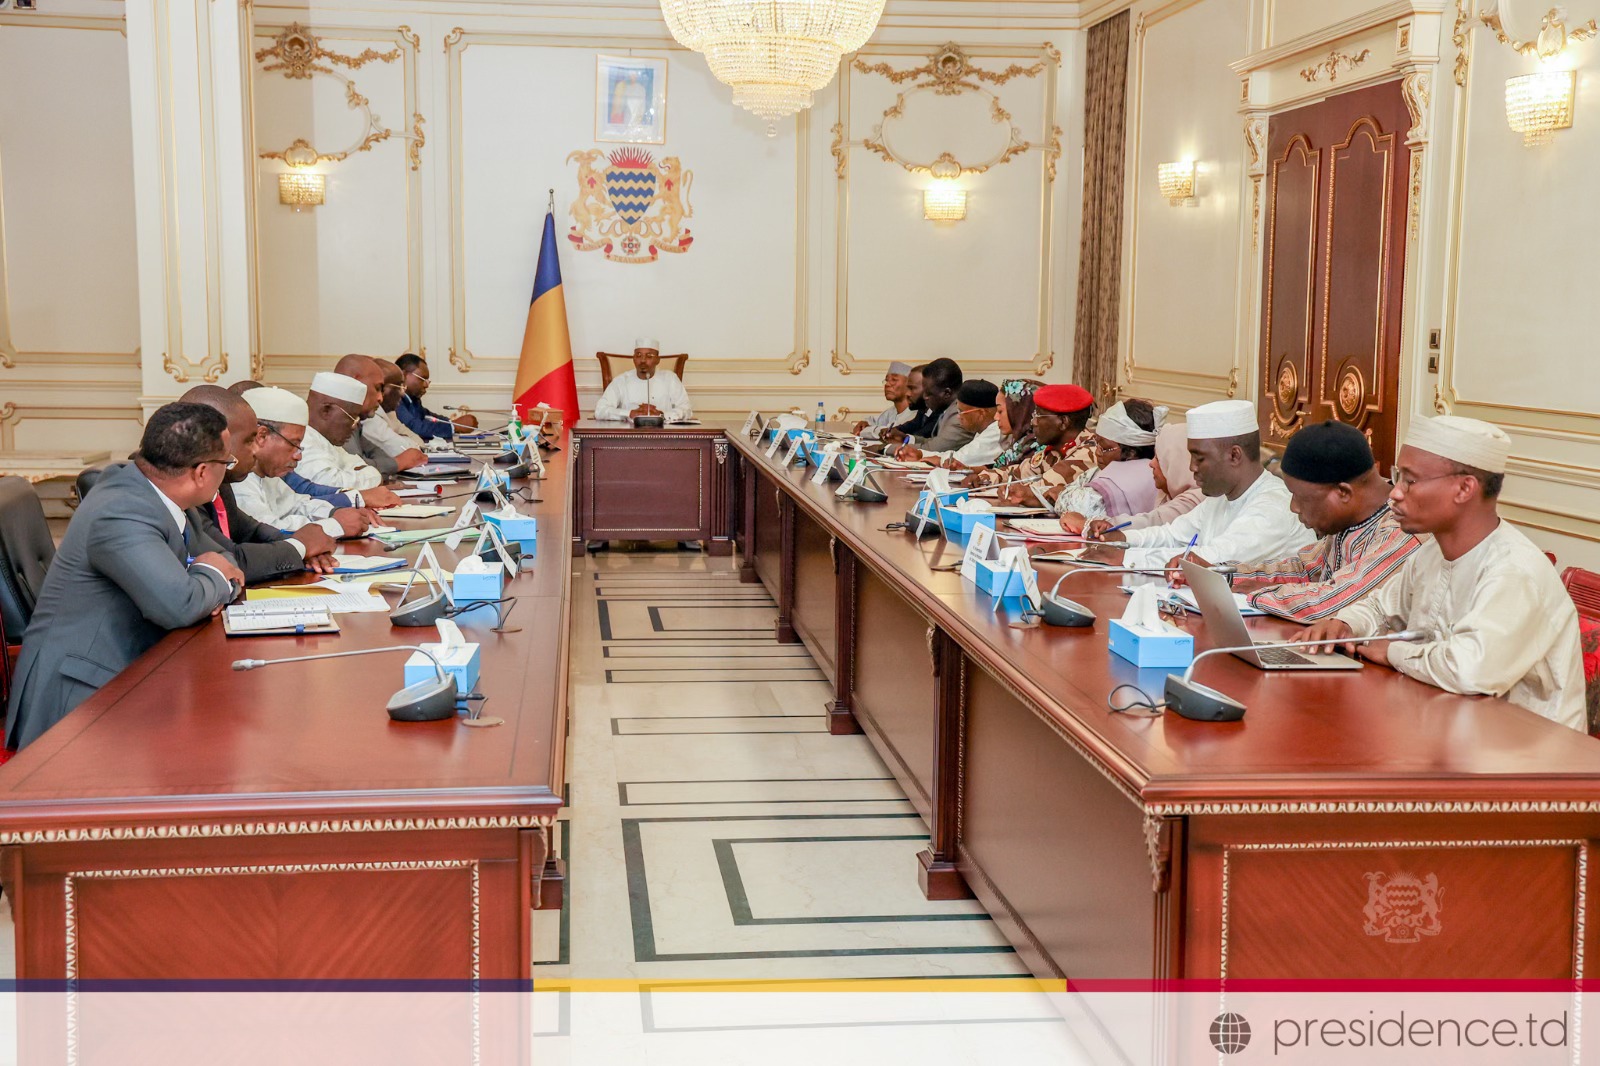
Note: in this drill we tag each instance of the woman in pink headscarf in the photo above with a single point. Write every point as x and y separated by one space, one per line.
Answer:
1173 478
1121 480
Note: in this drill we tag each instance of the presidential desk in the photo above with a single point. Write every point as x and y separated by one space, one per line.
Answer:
671 483
1352 825
191 822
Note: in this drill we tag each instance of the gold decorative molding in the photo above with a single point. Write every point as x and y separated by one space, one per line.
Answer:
1264 807
841 158
1335 62
1233 381
1461 37
1052 152
415 39
800 363
418 139
301 54
1255 142
841 365
1439 406
950 71
96 834
1417 88
453 38
1553 38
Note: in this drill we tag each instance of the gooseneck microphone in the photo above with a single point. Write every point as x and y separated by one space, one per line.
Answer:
441 535
1191 699
432 700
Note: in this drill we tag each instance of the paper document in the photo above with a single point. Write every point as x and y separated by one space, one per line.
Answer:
1185 596
407 536
349 601
1049 527
361 564
416 510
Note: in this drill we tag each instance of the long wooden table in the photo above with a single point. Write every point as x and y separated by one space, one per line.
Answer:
191 822
1351 826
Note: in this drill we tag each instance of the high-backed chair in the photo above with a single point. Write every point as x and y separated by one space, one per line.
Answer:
1584 588
26 549
87 479
612 364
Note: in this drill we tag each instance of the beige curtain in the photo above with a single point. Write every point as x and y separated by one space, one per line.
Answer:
1094 358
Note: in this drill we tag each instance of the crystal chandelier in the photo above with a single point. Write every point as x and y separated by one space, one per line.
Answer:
774 53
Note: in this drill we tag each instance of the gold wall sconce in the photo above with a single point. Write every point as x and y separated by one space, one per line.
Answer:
1176 181
301 190
1540 103
943 201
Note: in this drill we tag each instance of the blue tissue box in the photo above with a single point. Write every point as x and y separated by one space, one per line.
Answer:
462 665
464 588
1172 647
996 580
958 525
500 477
523 527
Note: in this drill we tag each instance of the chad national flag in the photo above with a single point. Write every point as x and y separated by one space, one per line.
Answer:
544 371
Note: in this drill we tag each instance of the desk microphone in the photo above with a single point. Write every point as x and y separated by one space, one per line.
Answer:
462 425
1057 610
648 421
443 534
1191 699
426 701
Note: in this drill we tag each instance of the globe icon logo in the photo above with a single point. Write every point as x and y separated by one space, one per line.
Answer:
1230 1033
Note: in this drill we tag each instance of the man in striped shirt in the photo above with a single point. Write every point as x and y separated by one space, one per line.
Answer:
1336 489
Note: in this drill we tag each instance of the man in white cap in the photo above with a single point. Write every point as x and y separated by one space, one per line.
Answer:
644 390
897 390
336 404
375 442
264 496
1501 624
1245 517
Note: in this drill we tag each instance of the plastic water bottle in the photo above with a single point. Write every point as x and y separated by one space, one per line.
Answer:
821 414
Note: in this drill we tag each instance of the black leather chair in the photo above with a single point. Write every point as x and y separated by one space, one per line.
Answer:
87 479
26 549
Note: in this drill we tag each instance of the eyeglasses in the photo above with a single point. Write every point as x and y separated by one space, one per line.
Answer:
227 464
276 432
1406 483
355 420
394 387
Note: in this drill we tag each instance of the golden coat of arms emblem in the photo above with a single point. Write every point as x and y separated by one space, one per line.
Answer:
629 206
1402 908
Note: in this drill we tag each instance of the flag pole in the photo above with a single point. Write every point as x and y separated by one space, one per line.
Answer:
552 207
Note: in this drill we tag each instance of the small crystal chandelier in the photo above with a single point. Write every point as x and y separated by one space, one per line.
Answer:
774 53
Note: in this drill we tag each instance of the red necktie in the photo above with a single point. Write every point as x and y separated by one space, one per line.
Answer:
222 516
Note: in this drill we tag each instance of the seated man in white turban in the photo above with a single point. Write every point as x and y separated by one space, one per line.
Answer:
897 390
1246 516
337 404
1501 623
644 390
264 496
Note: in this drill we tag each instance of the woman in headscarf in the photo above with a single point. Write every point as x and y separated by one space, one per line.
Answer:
1121 481
1054 434
1016 420
1170 468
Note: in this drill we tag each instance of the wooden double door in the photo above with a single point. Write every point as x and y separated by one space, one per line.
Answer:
1334 266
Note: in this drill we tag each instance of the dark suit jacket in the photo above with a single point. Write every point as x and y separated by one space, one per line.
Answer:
260 550
119 582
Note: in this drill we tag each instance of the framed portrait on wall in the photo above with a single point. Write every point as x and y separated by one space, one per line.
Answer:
630 99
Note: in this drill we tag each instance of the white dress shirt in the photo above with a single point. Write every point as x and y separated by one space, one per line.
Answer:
381 435
628 390
401 430
1256 527
325 464
271 500
886 419
1503 624
981 450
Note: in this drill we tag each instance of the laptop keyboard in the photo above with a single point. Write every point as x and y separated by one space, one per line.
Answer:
1280 656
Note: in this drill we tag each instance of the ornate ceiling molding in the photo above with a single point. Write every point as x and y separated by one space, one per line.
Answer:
1553 38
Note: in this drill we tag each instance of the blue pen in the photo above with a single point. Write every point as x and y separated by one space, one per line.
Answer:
1192 542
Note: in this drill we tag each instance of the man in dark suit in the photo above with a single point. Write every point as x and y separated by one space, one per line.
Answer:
417 418
262 551
126 572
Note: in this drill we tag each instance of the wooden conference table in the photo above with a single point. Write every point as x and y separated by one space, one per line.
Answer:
191 822
1351 826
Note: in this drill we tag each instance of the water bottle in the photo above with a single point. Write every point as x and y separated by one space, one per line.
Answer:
821 414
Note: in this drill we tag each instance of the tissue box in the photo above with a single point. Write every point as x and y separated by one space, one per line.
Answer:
500 477
464 588
462 664
996 580
523 527
958 525
1171 647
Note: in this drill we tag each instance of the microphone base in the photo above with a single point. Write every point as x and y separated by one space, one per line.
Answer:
862 494
1199 703
1060 611
929 525
421 612
649 421
433 700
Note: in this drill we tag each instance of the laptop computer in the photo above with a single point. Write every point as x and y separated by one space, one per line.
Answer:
1221 612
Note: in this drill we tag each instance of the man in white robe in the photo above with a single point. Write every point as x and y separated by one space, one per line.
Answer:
264 495
645 390
336 403
1246 515
977 410
1500 622
897 390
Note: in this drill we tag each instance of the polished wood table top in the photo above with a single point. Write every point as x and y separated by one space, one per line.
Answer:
181 737
1371 736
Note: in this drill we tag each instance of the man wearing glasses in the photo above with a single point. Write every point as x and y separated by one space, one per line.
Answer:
265 496
336 403
1502 624
374 442
421 421
389 397
263 551
126 572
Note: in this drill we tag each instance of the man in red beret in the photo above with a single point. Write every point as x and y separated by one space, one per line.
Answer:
1060 416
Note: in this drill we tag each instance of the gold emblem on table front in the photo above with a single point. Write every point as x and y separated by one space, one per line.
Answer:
629 206
1402 908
